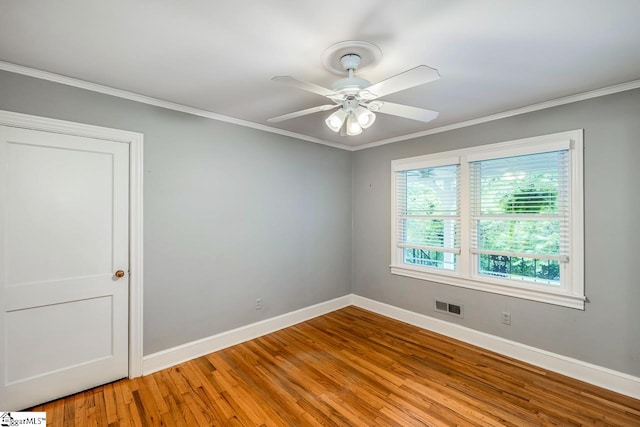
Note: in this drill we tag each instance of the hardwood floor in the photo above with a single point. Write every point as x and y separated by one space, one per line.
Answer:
347 368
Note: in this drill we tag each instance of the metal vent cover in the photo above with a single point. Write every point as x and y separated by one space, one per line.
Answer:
449 308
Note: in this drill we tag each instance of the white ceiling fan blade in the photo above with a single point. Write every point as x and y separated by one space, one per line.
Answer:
414 77
309 87
406 111
302 113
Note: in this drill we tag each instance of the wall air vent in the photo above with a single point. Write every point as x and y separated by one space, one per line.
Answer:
442 306
448 308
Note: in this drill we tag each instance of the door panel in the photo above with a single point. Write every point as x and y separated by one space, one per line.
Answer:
39 219
63 235
50 326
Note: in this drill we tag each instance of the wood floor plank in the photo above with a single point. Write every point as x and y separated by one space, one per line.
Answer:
350 367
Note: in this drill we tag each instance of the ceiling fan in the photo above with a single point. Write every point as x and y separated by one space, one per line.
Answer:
356 98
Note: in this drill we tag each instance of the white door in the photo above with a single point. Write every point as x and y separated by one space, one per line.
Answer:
63 243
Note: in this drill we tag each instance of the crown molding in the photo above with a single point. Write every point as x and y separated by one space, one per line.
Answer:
132 96
608 90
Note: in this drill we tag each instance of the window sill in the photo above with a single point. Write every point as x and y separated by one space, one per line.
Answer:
556 298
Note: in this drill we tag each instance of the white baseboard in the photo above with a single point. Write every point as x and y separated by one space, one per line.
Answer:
182 353
583 371
593 374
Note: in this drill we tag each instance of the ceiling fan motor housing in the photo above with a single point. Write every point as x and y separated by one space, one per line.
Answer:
350 85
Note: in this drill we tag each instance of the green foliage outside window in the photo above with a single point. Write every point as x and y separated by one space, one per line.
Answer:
529 195
430 192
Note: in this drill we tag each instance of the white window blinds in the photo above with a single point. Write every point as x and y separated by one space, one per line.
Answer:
520 207
428 215
505 218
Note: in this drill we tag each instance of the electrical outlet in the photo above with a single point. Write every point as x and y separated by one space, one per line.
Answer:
259 304
506 318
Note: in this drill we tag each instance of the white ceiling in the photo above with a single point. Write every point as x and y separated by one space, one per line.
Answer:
219 56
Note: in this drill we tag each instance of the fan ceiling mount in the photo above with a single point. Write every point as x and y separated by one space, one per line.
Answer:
357 97
370 55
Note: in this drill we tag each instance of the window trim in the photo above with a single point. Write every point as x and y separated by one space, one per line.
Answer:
573 275
432 163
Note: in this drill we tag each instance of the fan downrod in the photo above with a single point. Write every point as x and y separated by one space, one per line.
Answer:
350 85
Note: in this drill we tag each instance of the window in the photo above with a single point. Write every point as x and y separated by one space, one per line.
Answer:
428 216
504 218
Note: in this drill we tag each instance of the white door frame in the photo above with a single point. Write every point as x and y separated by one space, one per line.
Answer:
136 172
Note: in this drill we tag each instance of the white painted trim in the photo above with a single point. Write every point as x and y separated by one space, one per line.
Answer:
182 353
571 292
94 87
634 84
136 254
574 368
495 287
136 172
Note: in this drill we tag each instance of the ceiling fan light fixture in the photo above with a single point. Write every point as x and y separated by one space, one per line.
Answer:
336 120
355 98
365 117
353 127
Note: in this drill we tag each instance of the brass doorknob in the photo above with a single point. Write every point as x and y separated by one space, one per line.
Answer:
119 274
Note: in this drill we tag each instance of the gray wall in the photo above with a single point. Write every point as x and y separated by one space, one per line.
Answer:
233 214
607 332
230 213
